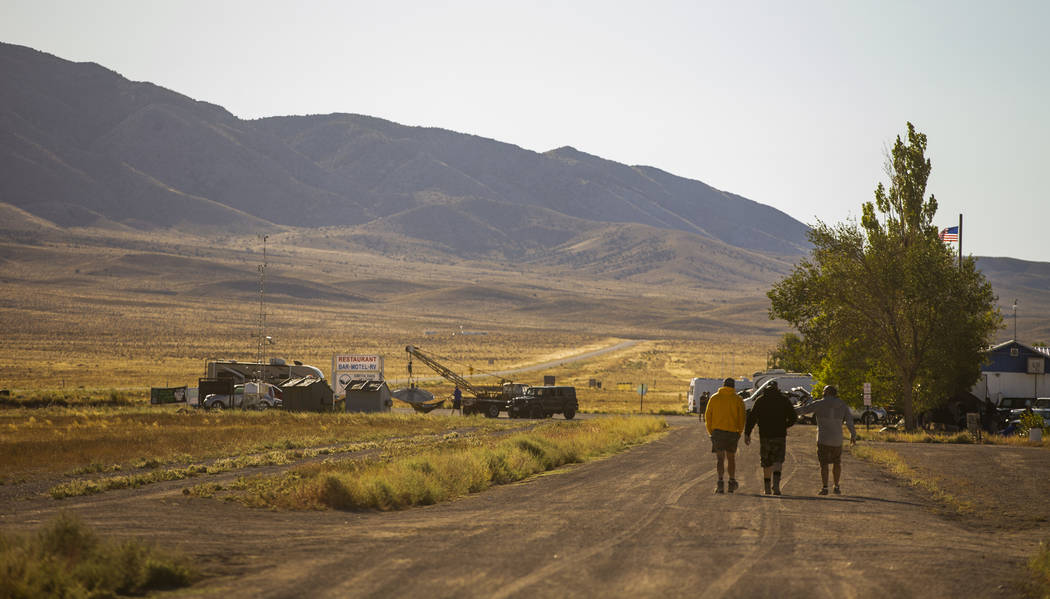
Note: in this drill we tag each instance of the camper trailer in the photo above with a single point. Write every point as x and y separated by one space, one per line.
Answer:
273 372
698 386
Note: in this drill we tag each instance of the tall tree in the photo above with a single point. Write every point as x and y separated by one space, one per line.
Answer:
886 302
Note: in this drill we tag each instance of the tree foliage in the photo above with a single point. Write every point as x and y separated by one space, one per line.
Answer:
885 302
793 355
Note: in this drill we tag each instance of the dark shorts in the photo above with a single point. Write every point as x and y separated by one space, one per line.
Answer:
771 451
724 441
829 454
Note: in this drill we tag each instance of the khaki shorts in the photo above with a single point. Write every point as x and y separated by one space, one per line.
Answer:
724 441
829 454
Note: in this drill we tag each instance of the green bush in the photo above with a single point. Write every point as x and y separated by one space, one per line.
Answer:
67 559
1030 420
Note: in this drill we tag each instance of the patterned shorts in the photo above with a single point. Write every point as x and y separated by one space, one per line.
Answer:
724 441
771 451
829 454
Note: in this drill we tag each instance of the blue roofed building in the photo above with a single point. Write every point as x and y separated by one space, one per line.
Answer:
1016 372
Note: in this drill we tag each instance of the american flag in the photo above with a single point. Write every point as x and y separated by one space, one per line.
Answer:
950 234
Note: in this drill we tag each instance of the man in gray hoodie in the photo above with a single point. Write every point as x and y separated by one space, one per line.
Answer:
830 412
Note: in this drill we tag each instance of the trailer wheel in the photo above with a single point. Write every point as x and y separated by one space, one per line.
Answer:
492 412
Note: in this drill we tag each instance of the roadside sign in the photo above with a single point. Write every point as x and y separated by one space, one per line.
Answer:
346 367
867 394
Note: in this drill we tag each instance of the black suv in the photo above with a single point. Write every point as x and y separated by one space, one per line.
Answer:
543 402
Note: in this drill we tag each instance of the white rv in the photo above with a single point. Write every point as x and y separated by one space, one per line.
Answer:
698 386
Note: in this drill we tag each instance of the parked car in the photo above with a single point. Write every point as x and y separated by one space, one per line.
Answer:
1040 406
260 396
869 415
1010 404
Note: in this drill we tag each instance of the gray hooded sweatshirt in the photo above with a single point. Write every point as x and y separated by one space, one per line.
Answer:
830 412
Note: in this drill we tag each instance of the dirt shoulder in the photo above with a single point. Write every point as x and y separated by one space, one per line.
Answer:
641 523
1008 486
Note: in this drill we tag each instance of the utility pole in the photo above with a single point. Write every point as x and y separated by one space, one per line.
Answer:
1014 319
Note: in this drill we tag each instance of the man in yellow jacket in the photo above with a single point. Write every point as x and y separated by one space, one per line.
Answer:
725 421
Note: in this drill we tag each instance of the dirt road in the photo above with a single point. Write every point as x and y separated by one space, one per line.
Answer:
644 523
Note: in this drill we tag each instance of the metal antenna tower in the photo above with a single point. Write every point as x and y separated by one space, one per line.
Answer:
262 305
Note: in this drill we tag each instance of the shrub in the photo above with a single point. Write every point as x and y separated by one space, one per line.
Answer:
67 559
1039 569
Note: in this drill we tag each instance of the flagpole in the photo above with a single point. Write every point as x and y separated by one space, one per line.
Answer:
960 241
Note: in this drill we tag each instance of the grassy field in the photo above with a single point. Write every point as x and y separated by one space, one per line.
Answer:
123 312
75 441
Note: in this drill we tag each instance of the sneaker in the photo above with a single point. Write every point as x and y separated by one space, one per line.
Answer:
721 487
823 491
733 485
837 490
776 490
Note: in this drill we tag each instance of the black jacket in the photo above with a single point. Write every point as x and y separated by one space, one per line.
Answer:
772 412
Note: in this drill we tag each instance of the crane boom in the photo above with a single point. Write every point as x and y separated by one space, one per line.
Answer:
448 374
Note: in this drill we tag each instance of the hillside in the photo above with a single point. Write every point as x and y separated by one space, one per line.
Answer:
82 146
90 156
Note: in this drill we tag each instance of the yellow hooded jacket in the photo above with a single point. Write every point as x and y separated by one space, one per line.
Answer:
725 411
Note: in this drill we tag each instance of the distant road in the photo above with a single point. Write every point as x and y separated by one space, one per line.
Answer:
541 366
530 368
571 359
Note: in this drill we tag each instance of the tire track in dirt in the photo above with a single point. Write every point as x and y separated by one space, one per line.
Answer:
642 522
769 521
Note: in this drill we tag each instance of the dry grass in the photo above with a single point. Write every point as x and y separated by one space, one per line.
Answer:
38 443
132 311
1039 572
963 438
66 559
452 468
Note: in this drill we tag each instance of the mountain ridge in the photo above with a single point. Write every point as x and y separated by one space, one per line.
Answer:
84 146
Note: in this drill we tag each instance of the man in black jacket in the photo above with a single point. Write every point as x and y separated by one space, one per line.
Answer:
773 413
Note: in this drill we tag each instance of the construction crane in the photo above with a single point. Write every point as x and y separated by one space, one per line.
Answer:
487 399
479 391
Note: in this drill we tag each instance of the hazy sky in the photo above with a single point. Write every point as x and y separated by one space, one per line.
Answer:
792 104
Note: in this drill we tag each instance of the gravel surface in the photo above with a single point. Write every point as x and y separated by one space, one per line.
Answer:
641 523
